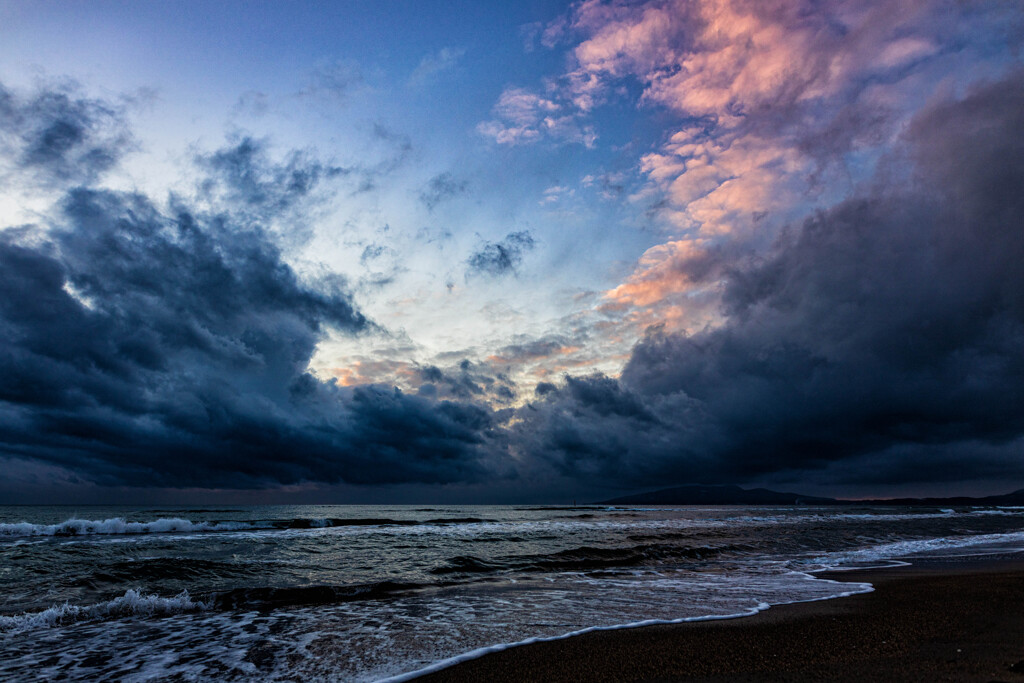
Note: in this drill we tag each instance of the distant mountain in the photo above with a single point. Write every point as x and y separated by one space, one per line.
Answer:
1015 498
718 495
734 495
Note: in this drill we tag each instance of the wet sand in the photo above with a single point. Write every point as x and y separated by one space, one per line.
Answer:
937 620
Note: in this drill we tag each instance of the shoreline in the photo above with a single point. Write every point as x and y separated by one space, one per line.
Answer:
936 619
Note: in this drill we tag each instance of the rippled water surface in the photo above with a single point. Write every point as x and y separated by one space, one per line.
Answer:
355 593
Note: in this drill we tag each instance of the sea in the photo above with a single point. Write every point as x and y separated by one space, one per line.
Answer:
372 593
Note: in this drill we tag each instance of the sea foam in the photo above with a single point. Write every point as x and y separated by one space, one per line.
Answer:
116 525
1011 541
132 603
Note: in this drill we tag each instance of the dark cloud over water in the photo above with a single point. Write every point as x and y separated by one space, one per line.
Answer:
150 344
886 331
147 349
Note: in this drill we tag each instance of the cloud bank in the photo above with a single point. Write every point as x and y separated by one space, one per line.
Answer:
881 338
837 296
150 345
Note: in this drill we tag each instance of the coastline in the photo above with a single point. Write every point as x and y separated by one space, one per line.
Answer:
956 619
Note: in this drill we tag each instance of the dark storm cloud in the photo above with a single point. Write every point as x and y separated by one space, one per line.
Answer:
544 388
250 179
246 177
531 350
527 351
881 339
591 428
501 258
440 188
887 329
144 345
60 136
149 349
246 180
466 380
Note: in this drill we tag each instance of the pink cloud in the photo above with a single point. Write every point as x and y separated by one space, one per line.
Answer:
772 83
523 117
773 99
717 57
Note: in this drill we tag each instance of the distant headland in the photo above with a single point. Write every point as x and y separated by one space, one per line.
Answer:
734 495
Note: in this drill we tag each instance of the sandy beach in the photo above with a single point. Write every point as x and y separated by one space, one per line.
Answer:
936 620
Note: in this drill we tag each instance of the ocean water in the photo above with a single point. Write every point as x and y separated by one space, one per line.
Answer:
367 593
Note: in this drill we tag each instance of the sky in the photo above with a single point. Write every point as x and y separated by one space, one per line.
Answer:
538 251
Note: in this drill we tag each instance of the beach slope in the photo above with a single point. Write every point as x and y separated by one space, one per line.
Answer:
937 620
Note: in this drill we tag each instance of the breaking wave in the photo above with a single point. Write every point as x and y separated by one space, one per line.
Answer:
1011 541
132 603
120 526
